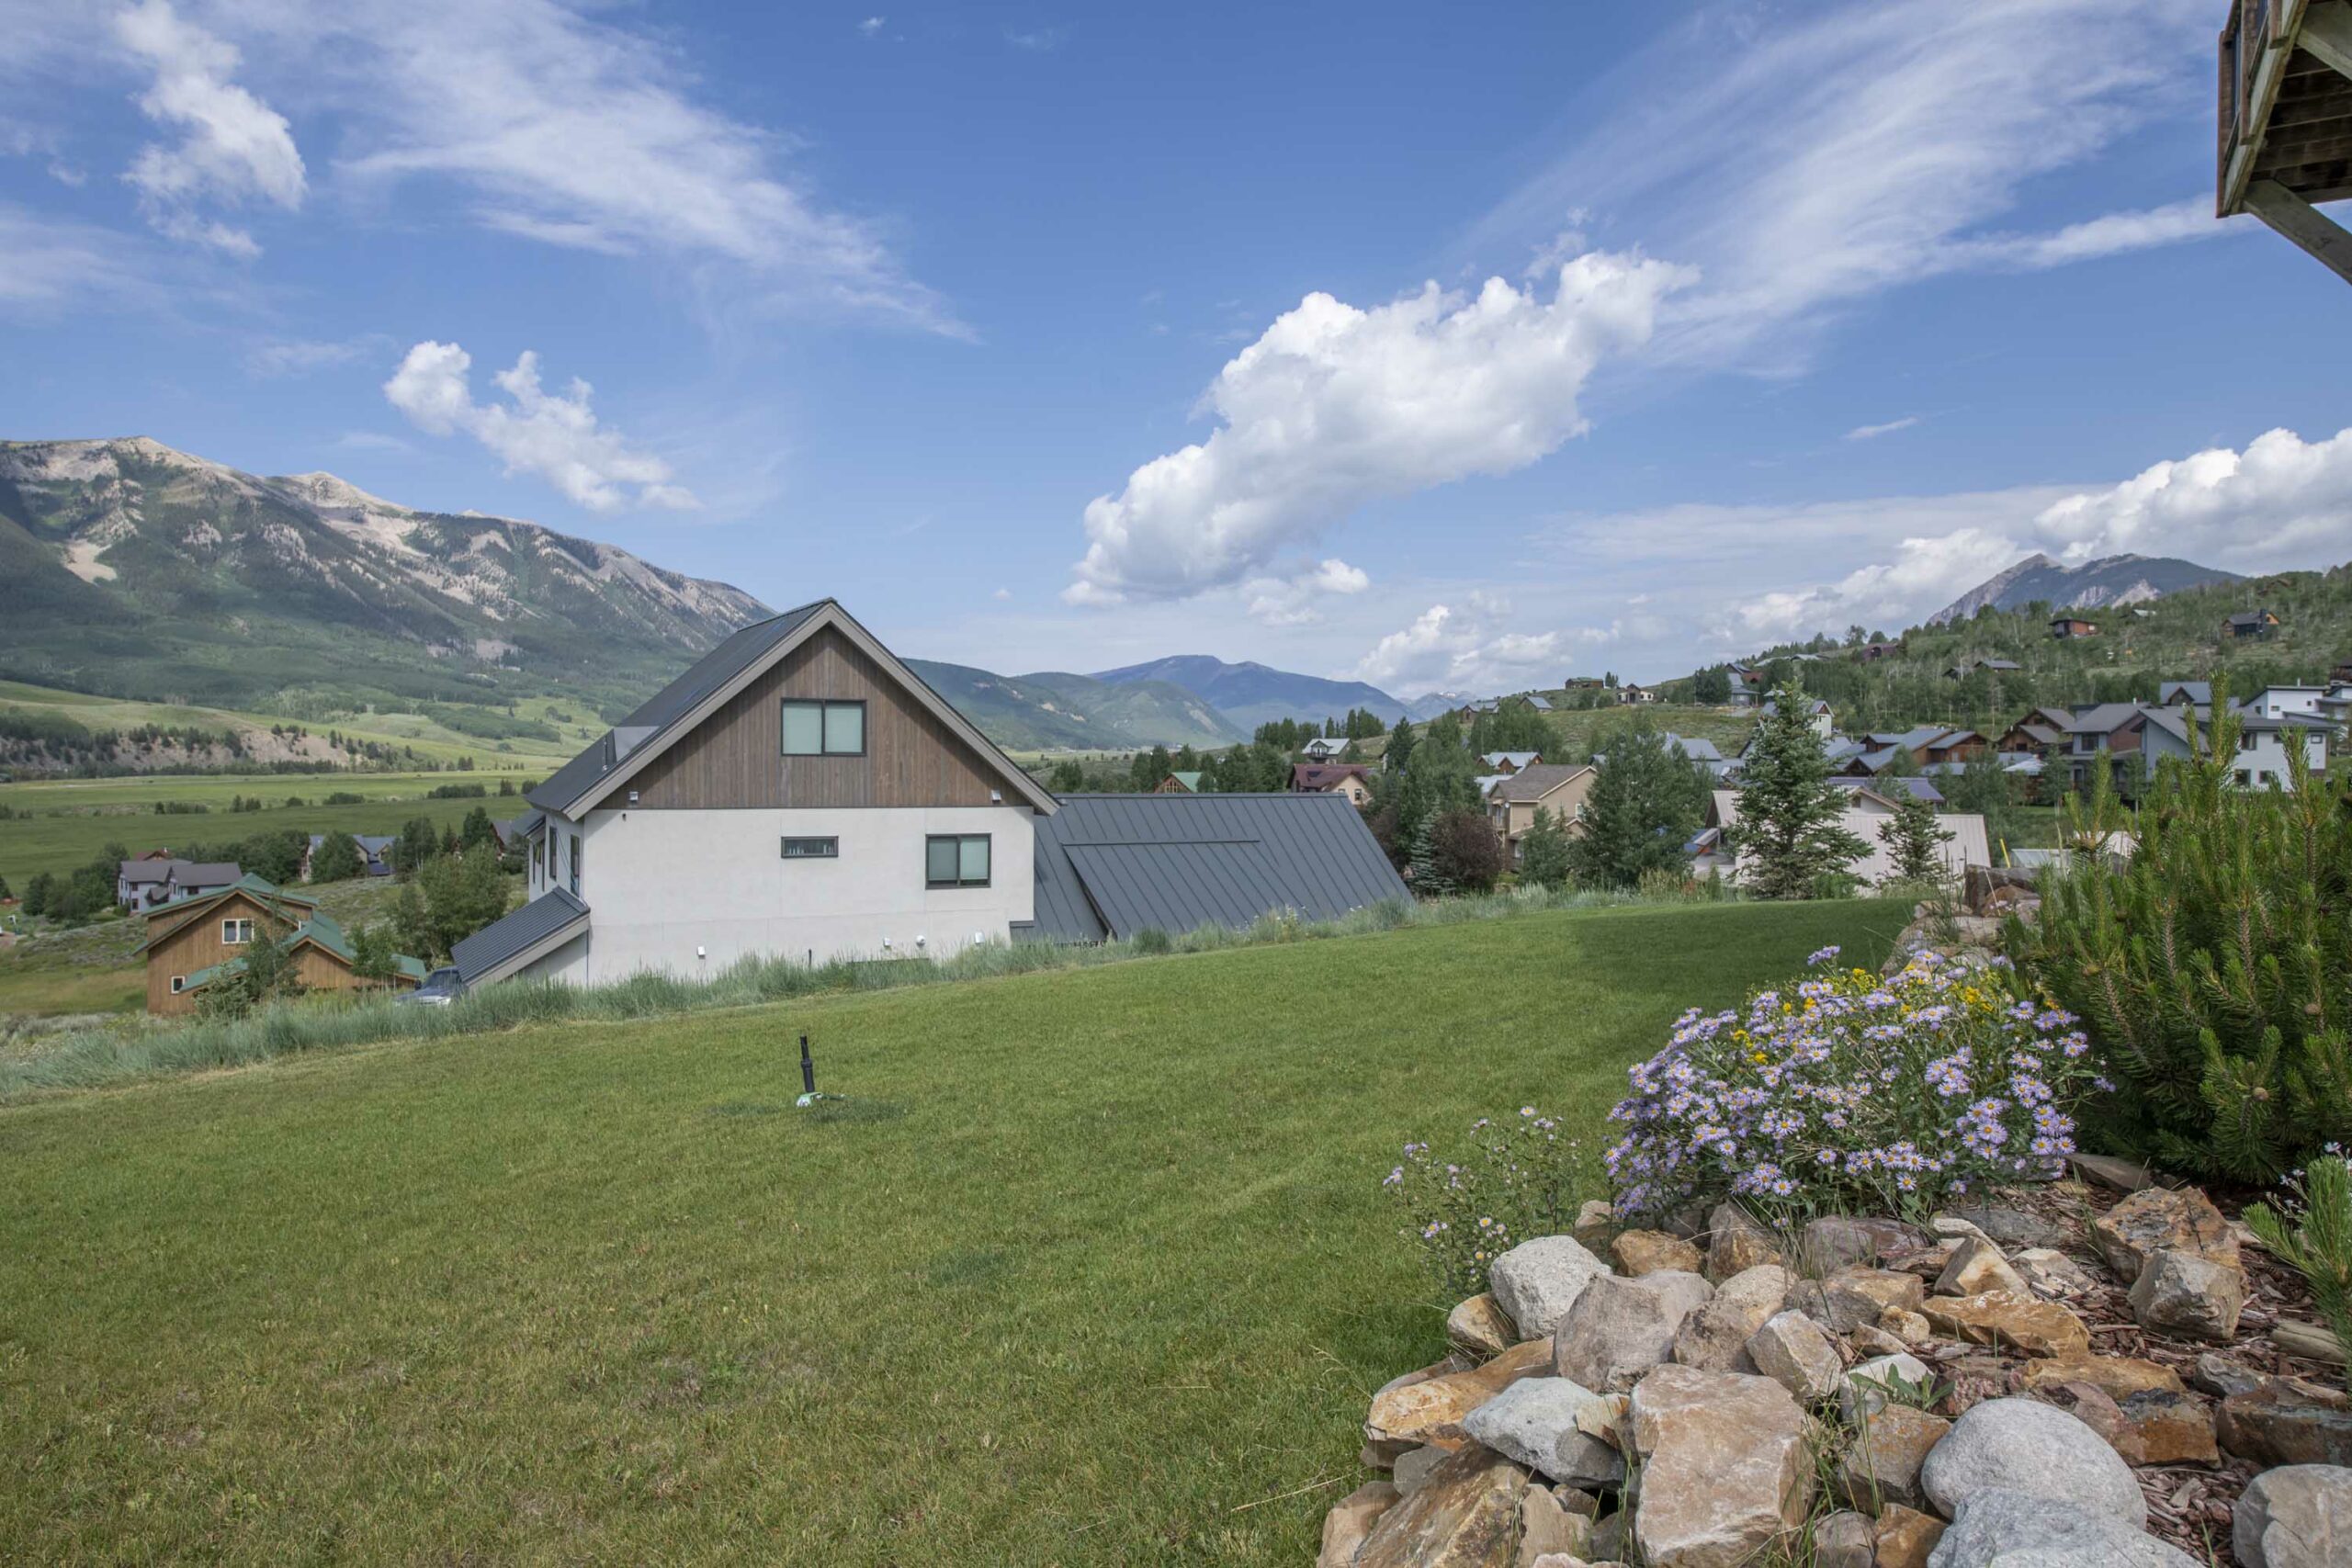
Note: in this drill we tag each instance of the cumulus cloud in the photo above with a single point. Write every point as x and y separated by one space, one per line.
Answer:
1335 406
1470 647
1292 600
233 149
554 435
2281 502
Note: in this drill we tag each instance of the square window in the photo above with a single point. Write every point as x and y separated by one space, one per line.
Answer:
236 933
844 729
812 849
938 862
972 863
804 730
957 860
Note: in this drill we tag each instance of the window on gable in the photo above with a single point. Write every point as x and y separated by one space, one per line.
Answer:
956 860
236 933
814 729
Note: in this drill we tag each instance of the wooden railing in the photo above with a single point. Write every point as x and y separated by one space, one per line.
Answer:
2246 38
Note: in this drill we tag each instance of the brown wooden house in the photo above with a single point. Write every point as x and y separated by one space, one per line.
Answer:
194 943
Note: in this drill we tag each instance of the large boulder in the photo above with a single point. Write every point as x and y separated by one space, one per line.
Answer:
2185 1293
1737 1243
1351 1520
2288 1421
1727 1466
1534 1421
1881 1467
1620 1328
1794 1351
1715 1337
2002 1527
2159 1219
1537 1282
2299 1516
1431 1409
2022 1445
1466 1515
2009 1321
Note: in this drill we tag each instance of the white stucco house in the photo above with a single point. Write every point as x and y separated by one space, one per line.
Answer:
1866 816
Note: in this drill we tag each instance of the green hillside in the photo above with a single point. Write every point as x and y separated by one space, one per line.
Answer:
1063 712
1091 1266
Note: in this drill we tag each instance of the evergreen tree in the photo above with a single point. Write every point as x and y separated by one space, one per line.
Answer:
2211 964
1422 868
1791 832
38 892
1711 687
477 831
1400 743
4 893
1544 853
1067 777
1647 801
1915 839
418 844
337 859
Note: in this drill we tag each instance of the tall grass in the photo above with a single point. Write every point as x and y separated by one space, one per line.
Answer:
89 1058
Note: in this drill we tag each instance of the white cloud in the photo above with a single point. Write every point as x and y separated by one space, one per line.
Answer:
300 356
50 264
1872 432
1335 406
565 130
1002 596
234 148
1856 147
554 435
1292 601
872 27
1470 649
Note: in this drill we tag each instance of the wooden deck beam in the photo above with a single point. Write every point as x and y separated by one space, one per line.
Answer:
2327 35
2306 225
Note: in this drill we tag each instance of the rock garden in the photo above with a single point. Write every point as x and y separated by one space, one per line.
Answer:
1856 1297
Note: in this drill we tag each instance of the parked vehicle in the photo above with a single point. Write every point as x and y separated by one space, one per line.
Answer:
439 989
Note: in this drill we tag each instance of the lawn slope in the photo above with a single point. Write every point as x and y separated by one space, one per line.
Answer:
1094 1267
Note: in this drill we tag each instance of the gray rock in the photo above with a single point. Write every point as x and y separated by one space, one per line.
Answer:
2050 1274
2002 1527
1533 1422
1716 1336
2021 1445
1537 1282
2219 1375
1867 1388
1844 1541
2299 1516
1620 1328
1856 1295
2159 1219
2009 1227
1838 1241
2180 1292
1413 1467
1792 1349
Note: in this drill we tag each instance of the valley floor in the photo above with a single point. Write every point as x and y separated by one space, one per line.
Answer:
1090 1265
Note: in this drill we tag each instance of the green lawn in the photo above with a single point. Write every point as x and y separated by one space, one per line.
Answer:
1094 1267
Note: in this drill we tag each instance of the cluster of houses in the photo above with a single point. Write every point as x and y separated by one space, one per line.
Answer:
2074 746
197 942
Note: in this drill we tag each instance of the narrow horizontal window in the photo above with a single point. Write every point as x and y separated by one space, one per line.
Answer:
956 860
814 729
812 849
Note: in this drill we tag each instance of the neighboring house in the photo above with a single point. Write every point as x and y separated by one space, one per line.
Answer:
1352 779
2185 693
1968 667
1323 747
1920 788
2285 702
1817 715
1510 762
1584 683
1633 694
2066 626
800 794
1871 652
197 942
1559 788
2103 736
2249 623
1186 783
375 850
1865 816
2264 744
1746 685
1692 749
1111 866
2042 731
157 879
1541 705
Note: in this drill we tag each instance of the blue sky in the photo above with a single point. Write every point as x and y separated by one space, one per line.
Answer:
1454 347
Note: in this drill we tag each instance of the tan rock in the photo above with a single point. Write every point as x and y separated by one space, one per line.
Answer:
1351 1520
1869 1339
1726 1467
2124 1175
1737 1243
1596 1222
2288 1421
1466 1515
2183 1292
1908 1327
2118 1377
1796 1352
1882 1466
1480 1329
1546 1529
1844 1541
2152 1427
1647 1252
1620 1328
1715 1337
2159 1219
1906 1537
2052 1275
1431 1409
2011 1321
1975 1266
1856 1295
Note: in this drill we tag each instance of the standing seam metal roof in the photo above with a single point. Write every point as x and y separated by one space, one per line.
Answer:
503 939
1111 866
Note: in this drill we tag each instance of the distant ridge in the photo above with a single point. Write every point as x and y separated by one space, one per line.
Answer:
2094 585
1252 694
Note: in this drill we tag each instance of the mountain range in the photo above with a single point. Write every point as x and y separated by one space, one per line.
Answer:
130 570
2099 584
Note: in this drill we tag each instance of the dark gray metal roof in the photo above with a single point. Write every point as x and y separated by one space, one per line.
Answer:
669 705
1110 865
534 922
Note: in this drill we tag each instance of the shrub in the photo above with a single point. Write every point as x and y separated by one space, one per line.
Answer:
1468 851
1152 941
2319 1247
1517 1181
2213 964
1851 1091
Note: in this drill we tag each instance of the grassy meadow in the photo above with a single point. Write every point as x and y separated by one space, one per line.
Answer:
1090 1265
